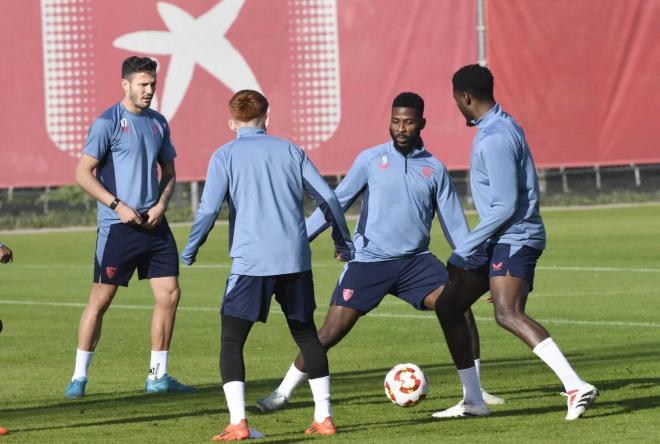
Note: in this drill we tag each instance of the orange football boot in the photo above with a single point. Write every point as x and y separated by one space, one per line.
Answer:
326 427
236 432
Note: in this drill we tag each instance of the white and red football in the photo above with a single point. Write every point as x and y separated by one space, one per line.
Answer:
406 385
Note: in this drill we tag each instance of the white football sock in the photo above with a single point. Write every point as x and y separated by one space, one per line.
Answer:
471 389
321 393
477 365
158 366
548 351
291 380
235 395
83 359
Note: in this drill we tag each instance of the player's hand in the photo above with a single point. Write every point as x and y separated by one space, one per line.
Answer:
6 255
344 251
154 216
344 255
128 215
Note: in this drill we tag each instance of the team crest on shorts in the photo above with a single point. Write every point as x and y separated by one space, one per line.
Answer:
347 293
110 271
497 266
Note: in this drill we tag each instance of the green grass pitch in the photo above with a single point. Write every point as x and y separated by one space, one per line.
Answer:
596 291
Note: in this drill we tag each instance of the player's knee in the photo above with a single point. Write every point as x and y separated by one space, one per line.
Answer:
506 318
469 318
97 306
169 298
99 301
445 306
330 335
234 330
307 336
94 311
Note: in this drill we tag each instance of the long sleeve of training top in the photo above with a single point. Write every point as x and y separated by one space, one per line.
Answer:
349 189
214 194
449 209
329 208
499 161
263 179
504 187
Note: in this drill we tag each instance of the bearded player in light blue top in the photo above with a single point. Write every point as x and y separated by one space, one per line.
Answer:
403 187
125 146
263 178
500 254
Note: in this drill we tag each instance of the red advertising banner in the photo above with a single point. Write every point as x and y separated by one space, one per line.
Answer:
581 77
330 69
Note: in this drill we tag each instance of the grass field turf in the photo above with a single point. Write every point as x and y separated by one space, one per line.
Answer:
596 291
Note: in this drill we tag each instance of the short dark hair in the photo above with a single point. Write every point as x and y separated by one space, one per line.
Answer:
475 80
409 100
247 105
134 64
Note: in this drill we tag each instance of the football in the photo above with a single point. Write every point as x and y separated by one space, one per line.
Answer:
406 385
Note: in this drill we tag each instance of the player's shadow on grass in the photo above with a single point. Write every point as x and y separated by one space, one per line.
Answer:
389 424
122 421
624 406
604 405
600 409
97 404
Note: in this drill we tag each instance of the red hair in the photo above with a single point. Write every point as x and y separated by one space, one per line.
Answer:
247 105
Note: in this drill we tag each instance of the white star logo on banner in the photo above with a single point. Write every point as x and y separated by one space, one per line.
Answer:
193 41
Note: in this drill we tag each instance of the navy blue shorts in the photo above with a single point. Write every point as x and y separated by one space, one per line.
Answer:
363 285
121 248
499 259
248 297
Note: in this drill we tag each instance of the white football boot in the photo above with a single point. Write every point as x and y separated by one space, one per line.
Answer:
578 400
272 403
462 410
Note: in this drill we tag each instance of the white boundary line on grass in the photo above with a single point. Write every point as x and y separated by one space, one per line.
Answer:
614 269
371 315
227 266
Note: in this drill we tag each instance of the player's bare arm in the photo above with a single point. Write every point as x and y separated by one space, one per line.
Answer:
167 183
85 178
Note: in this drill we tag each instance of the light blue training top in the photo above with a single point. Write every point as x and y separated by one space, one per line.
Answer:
263 179
400 196
129 147
505 188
